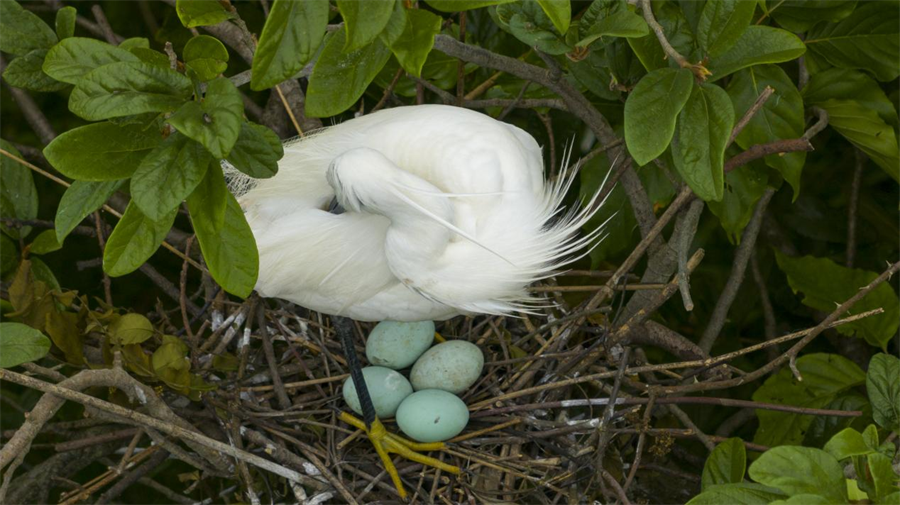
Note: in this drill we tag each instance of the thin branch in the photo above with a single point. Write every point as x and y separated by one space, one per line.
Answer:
107 30
745 119
762 150
853 205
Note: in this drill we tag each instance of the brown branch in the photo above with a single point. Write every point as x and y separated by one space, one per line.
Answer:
762 150
745 119
107 30
853 205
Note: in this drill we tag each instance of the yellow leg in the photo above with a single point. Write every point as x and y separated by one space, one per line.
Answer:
386 443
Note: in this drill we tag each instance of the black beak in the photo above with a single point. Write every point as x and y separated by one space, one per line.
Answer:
334 207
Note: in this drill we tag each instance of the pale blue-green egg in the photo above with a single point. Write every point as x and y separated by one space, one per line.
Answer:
397 345
432 415
452 366
387 388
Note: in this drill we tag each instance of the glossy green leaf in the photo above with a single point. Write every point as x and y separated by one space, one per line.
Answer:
9 255
846 84
825 285
412 37
130 329
743 188
804 499
193 13
134 43
867 131
737 494
528 23
74 57
651 110
780 118
593 73
868 39
677 30
211 195
229 249
758 44
20 343
293 32
151 57
134 239
18 195
257 151
800 15
559 12
206 56
363 21
26 72
824 377
168 175
726 464
79 201
339 79
22 31
65 22
463 5
619 24
722 23
797 470
848 442
883 387
698 147
101 151
45 243
216 121
128 88
883 475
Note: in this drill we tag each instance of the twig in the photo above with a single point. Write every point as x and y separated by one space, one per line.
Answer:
688 423
684 239
661 35
33 115
615 485
289 110
762 150
107 284
819 125
769 323
853 206
107 30
738 272
388 90
514 103
745 119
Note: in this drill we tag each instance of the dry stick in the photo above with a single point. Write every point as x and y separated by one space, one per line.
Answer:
283 401
661 35
642 439
615 485
761 150
388 90
751 112
769 323
738 272
106 207
182 298
605 434
289 110
104 25
852 207
683 244
152 422
686 420
515 102
461 65
107 284
793 351
33 115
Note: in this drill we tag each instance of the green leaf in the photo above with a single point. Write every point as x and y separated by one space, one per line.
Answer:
126 89
168 175
726 464
134 240
65 22
9 255
620 231
21 344
824 377
21 31
593 73
651 109
800 15
101 151
339 79
193 13
722 23
528 23
151 57
559 12
292 33
736 494
883 387
130 329
891 499
848 442
867 39
135 43
797 470
363 21
45 243
463 5
26 72
867 131
623 23
211 195
216 121
257 151
206 56
410 35
743 188
758 44
74 57
229 249
845 84
698 148
882 475
804 499
18 195
781 117
677 30
79 201
826 285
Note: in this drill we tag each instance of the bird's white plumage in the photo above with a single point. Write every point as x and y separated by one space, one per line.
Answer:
447 213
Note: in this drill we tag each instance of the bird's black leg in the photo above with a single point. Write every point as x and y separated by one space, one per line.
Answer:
344 328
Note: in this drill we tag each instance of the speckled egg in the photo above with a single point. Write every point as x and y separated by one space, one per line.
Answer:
386 387
397 345
452 366
432 415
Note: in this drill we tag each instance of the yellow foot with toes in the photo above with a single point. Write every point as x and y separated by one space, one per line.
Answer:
386 443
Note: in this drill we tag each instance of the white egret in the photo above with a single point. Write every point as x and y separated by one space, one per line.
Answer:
447 212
